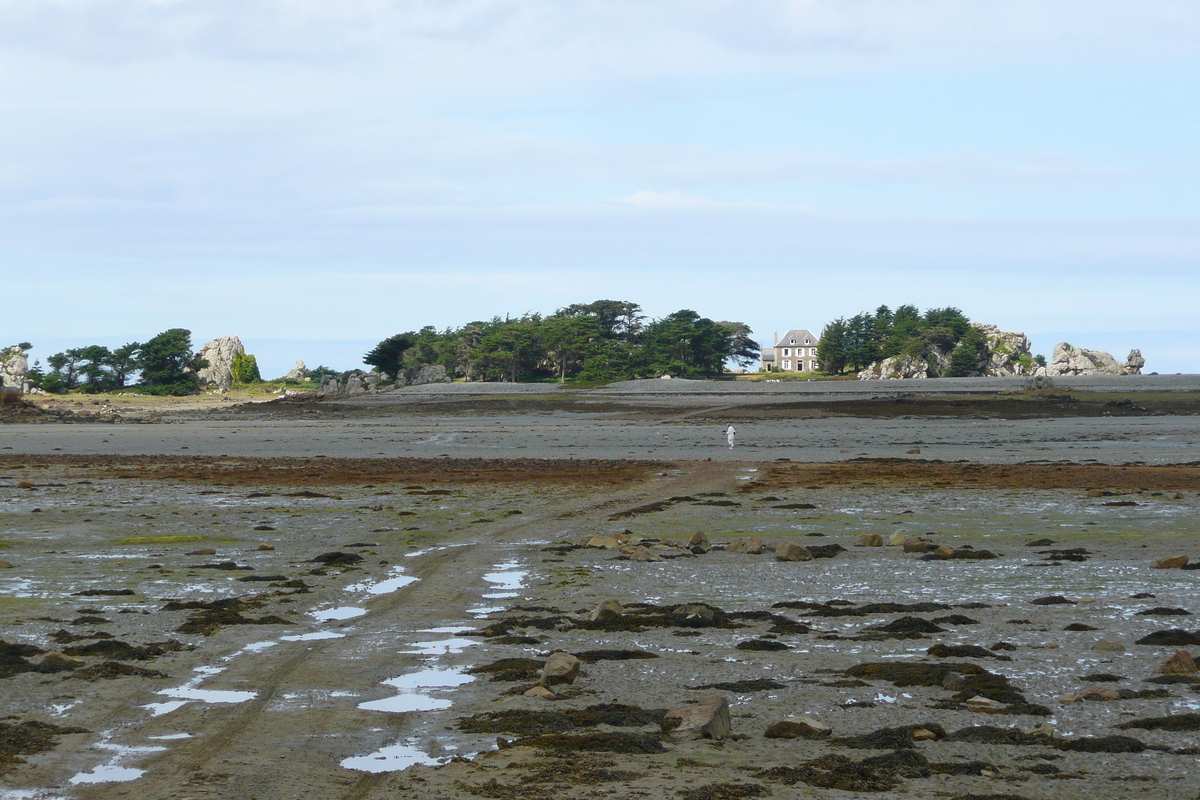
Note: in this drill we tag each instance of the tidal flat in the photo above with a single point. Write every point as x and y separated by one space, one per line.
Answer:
179 627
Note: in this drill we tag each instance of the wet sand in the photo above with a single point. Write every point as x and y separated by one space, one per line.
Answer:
372 675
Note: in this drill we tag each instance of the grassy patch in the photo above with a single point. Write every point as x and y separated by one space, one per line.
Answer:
158 539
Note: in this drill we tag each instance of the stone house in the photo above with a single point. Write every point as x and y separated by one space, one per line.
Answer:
795 351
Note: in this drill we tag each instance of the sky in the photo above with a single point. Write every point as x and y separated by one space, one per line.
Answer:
315 176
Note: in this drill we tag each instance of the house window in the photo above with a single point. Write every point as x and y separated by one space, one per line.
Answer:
787 365
808 341
787 351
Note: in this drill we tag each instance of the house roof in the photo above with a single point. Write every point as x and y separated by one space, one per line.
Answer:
799 334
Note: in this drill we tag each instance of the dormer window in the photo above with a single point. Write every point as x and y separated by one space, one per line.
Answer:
793 341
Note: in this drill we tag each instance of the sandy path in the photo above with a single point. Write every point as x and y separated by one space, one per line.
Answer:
270 749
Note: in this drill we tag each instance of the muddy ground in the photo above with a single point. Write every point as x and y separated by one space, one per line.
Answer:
225 668
349 601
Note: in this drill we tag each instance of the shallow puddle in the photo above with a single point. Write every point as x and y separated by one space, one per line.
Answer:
191 690
332 614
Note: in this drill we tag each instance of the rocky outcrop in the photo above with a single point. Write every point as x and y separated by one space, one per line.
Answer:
219 353
1008 355
14 372
1133 363
297 373
1071 360
896 368
357 382
429 373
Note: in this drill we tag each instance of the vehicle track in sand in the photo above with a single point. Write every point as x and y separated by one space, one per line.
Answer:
257 750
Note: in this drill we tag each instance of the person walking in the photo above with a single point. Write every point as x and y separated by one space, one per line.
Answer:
729 434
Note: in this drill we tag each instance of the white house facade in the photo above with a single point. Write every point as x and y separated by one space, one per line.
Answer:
795 351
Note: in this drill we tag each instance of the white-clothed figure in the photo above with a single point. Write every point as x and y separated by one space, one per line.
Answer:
729 434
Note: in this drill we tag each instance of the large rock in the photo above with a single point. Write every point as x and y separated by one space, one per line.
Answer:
798 728
896 368
1181 663
355 385
219 353
1133 363
357 382
753 546
14 371
643 553
707 718
419 376
298 372
1071 360
1171 562
1009 352
606 611
560 668
791 551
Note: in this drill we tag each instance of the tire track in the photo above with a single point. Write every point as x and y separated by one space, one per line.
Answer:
179 772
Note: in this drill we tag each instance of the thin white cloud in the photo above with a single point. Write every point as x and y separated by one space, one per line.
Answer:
674 200
468 39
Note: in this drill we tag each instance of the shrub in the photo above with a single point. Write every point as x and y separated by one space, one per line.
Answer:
245 369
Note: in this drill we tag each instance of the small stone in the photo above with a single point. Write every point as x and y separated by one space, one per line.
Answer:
915 544
924 735
944 552
606 611
871 540
540 692
1100 693
754 546
1041 730
699 544
708 718
1173 562
790 551
1067 699
736 546
897 539
6 564
798 728
266 547
984 704
1087 598
1106 646
560 668
913 451
1179 664
606 542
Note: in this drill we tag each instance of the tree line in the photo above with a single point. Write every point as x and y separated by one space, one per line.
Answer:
600 341
163 365
866 338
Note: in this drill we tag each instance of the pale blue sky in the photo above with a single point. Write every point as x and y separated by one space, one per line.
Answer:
315 176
